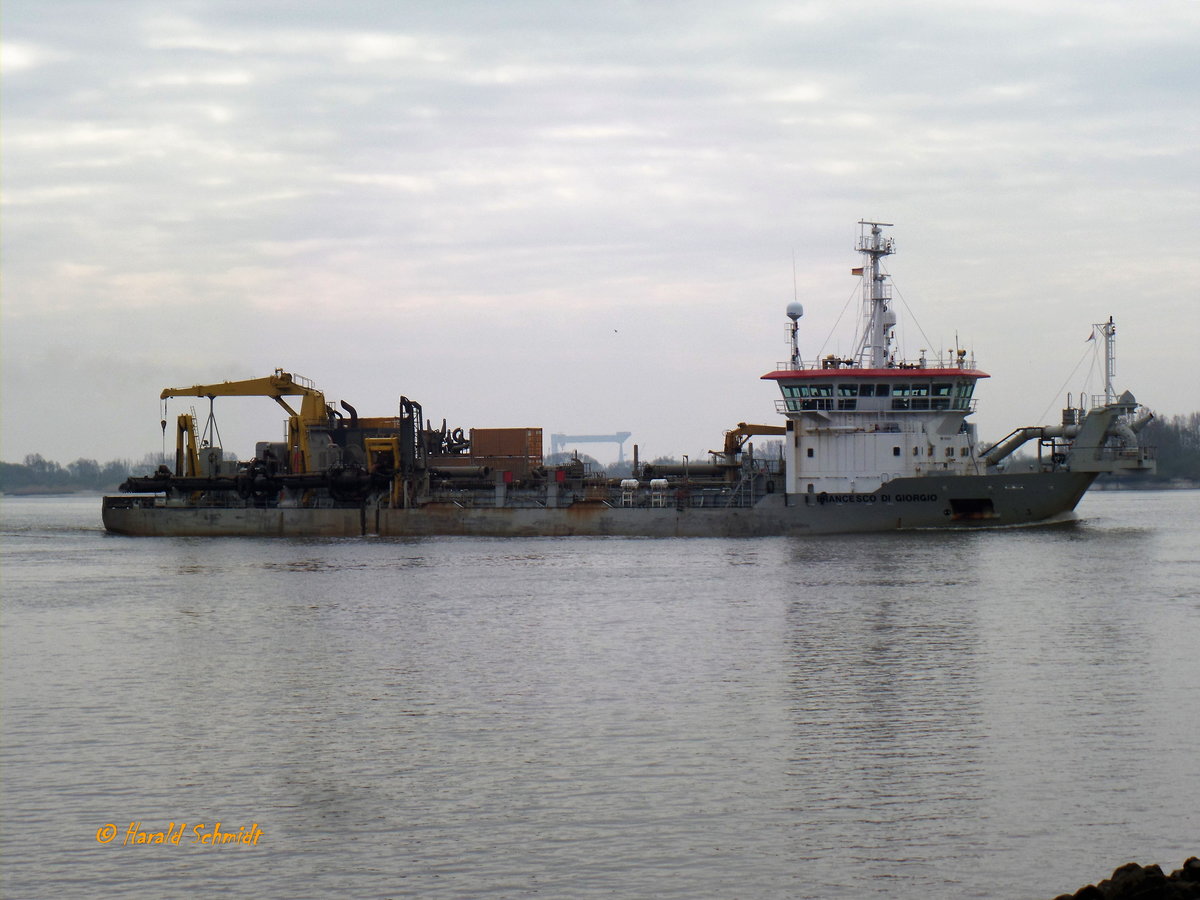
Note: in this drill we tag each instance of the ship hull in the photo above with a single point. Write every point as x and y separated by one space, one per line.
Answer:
956 503
141 517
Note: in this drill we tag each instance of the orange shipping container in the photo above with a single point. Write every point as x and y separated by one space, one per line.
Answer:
525 443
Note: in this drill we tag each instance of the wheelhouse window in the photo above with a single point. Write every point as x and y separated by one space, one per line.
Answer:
962 394
800 397
942 392
790 393
920 396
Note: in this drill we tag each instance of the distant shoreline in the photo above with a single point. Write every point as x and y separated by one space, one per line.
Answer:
1175 484
33 491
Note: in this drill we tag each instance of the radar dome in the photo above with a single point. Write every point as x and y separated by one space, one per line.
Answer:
795 310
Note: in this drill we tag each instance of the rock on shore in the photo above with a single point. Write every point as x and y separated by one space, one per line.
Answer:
1134 882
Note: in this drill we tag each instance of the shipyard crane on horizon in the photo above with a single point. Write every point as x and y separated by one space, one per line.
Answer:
559 441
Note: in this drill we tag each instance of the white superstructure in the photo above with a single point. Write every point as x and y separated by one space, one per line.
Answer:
854 424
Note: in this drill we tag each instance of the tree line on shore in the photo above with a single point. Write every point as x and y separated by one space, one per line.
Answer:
39 475
1176 438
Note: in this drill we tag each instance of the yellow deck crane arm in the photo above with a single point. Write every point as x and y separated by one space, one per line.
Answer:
282 384
735 438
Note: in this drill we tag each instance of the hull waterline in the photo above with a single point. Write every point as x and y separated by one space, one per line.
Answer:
960 503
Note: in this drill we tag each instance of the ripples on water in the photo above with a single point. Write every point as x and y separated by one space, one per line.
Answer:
1005 713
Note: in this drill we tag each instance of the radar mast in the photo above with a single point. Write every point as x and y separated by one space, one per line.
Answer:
875 346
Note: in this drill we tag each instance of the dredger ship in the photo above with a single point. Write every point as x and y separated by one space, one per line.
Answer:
871 442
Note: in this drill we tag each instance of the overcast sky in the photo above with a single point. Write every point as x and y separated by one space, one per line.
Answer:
582 216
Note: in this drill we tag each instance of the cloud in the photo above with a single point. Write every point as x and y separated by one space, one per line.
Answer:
419 196
18 56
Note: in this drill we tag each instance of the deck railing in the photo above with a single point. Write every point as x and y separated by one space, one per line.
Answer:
966 364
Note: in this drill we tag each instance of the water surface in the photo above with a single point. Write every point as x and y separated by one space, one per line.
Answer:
1005 713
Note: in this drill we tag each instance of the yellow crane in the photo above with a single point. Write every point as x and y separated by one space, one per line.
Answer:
313 411
736 438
